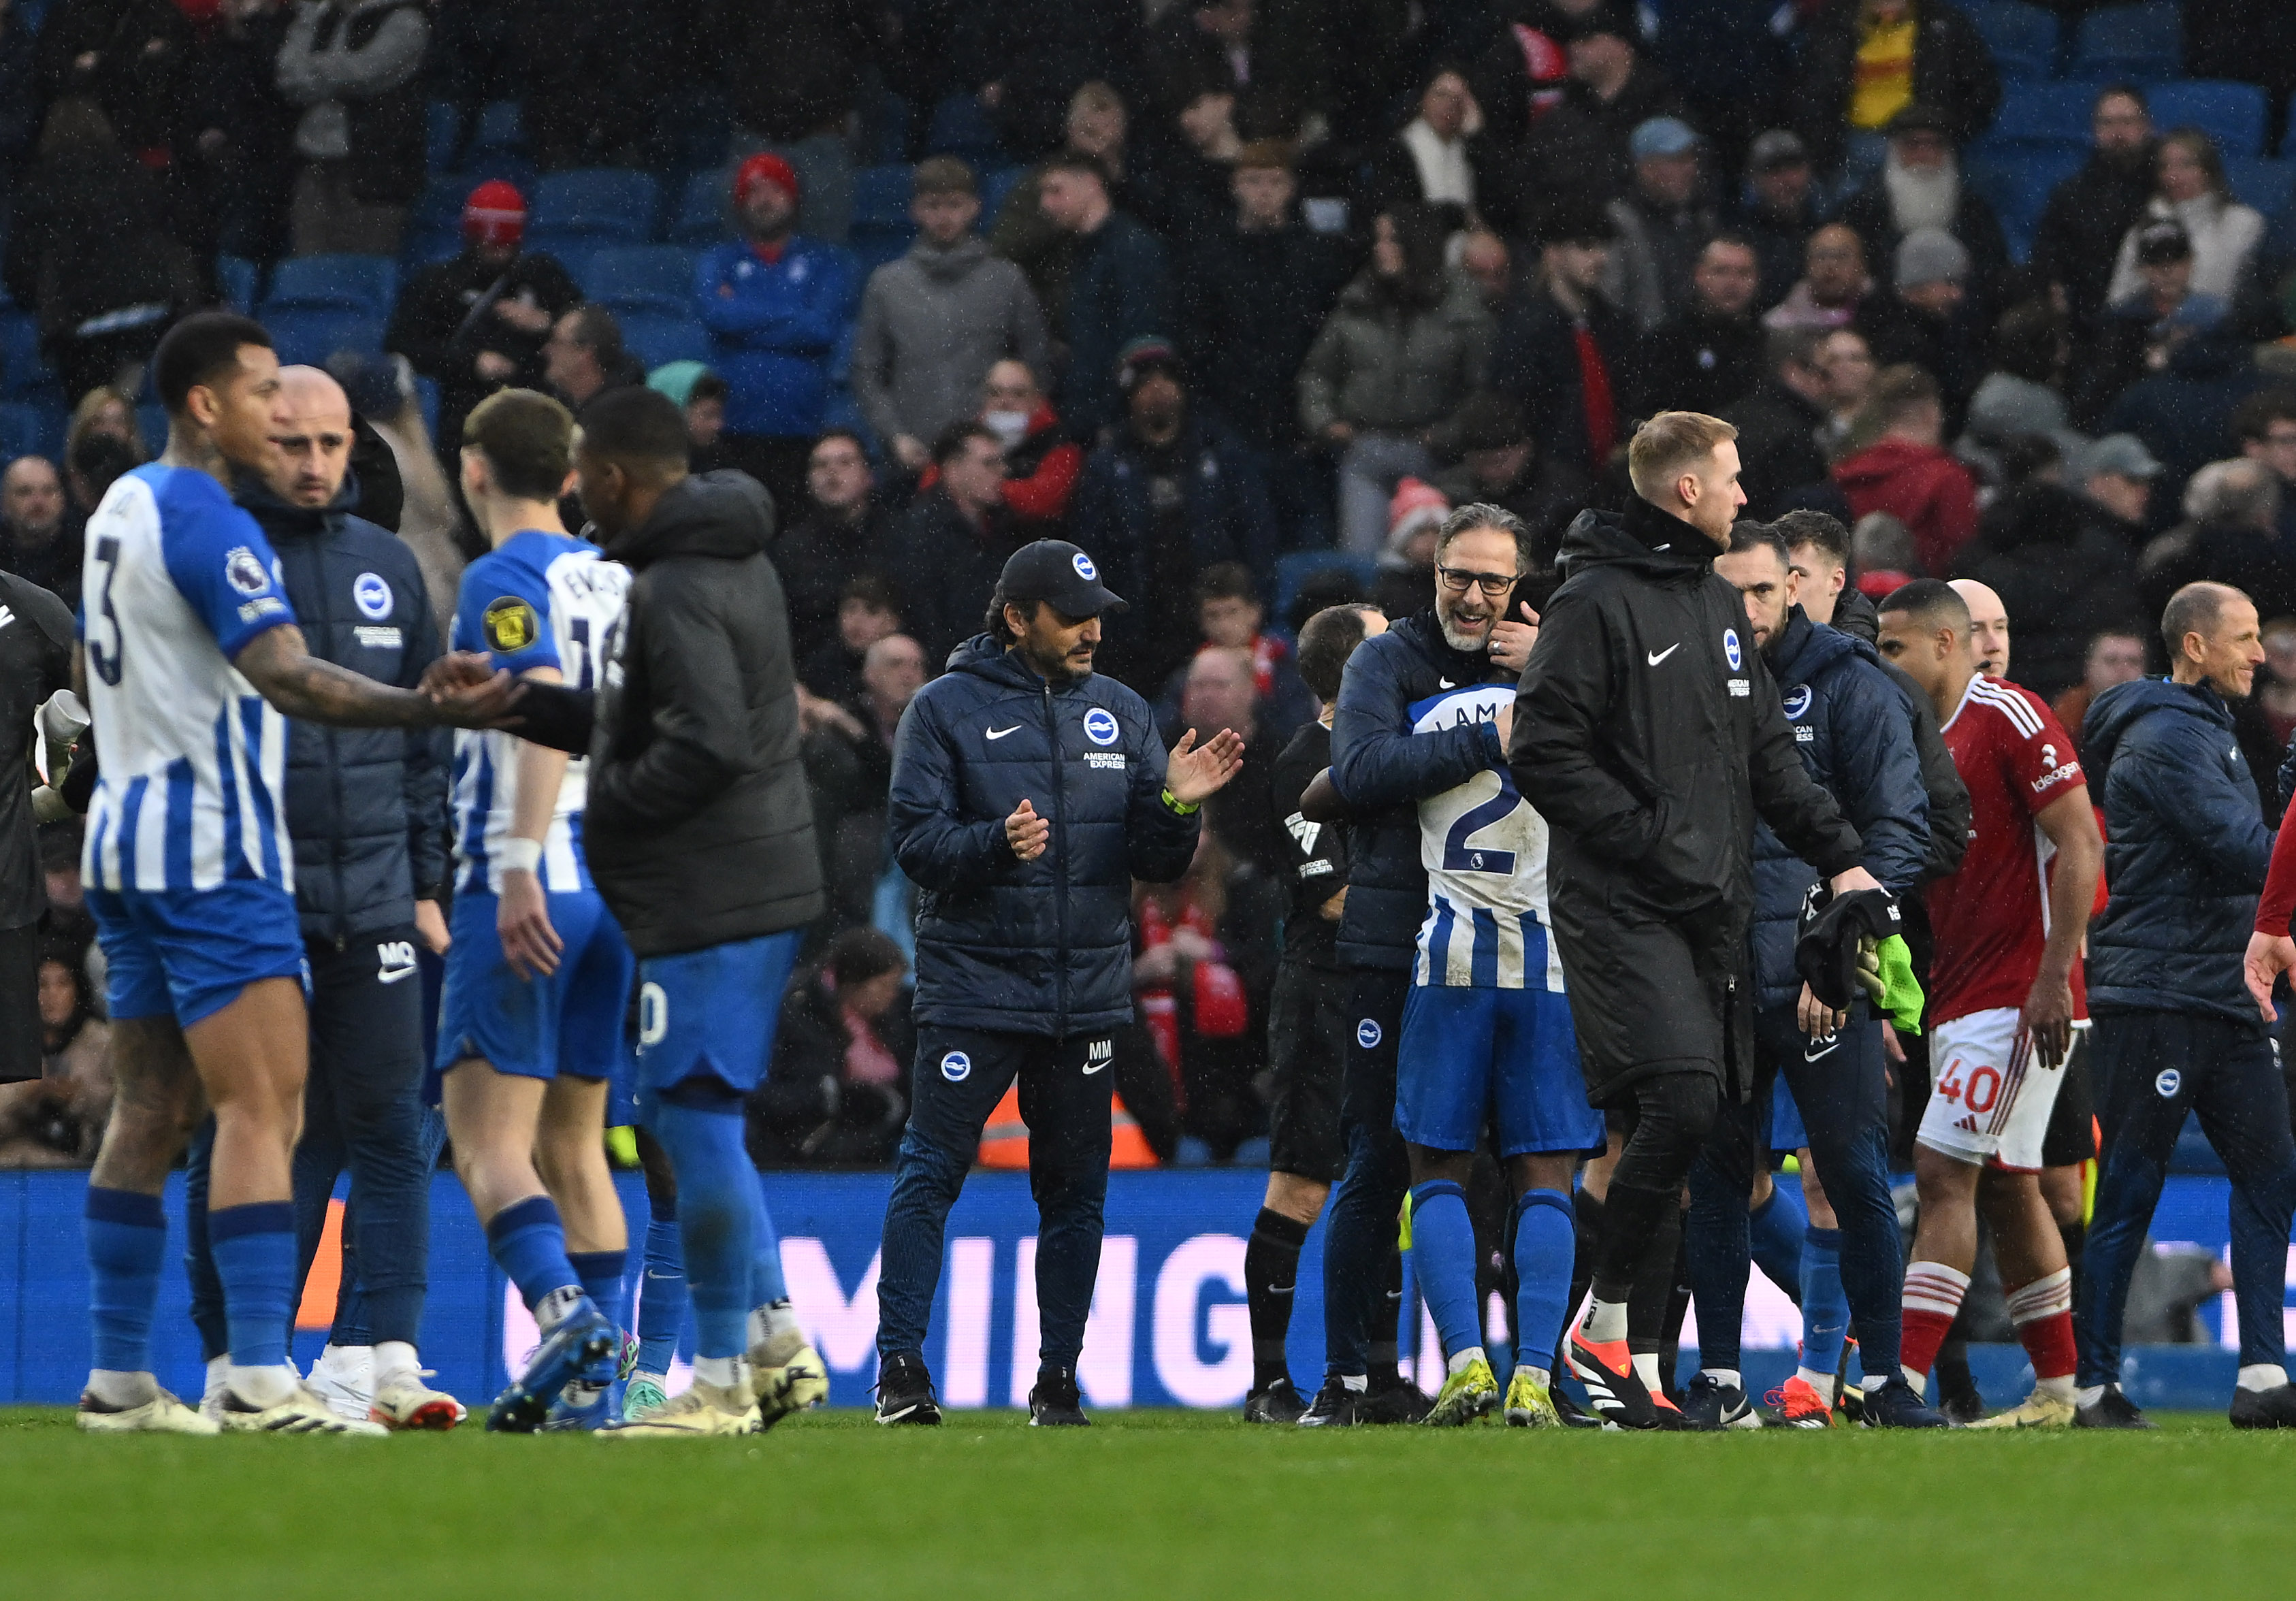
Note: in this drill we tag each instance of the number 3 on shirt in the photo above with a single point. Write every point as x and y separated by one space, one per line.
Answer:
104 657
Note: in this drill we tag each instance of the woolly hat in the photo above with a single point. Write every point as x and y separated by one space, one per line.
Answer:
764 168
494 214
1930 256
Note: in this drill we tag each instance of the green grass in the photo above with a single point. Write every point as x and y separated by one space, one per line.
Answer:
1148 1504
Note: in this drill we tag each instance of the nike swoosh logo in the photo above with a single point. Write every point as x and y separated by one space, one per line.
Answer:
1001 732
1832 1042
1655 657
1091 1068
1445 684
391 975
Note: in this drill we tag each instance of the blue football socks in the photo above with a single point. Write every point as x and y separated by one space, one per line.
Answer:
601 1273
1824 1305
126 1240
661 1305
529 1243
1443 1257
717 1207
254 1249
1776 1228
1545 1244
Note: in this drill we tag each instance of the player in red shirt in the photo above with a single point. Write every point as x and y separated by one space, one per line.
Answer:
2006 1003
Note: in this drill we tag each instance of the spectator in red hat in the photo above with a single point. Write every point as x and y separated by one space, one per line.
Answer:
477 323
776 303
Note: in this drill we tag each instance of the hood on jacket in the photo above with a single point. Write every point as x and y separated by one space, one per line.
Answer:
1642 539
984 658
283 518
1886 459
2119 709
1855 613
960 260
725 514
1805 649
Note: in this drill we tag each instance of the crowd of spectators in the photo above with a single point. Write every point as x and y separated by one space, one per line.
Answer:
1240 295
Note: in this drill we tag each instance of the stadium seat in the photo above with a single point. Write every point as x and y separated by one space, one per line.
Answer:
238 278
2260 182
874 250
21 367
2016 181
2233 114
641 277
2144 42
151 423
608 205
361 283
2024 38
2044 111
307 337
655 339
1293 569
426 398
28 429
997 186
880 197
442 135
501 131
705 211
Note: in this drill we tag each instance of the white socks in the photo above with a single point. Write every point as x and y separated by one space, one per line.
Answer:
1646 1370
1354 1384
1606 1321
218 1373
116 1388
1728 1378
391 1361
1459 1363
1823 1382
2088 1395
2263 1375
724 1372
770 1321
262 1387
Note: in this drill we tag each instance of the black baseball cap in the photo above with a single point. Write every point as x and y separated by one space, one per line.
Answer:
1061 575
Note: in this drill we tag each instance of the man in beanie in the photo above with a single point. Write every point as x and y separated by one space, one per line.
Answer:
776 303
1172 493
1928 318
1028 794
477 323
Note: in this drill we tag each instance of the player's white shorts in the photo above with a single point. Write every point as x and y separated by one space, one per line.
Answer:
1989 1095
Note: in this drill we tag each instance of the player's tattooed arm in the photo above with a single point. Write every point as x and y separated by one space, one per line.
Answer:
300 685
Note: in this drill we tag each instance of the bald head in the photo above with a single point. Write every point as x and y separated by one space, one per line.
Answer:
310 438
31 498
1218 691
1989 627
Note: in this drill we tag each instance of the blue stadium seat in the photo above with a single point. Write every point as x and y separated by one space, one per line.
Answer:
880 197
151 423
2024 38
705 211
426 396
28 430
641 277
2018 187
361 283
997 186
656 339
2259 182
873 249
21 368
442 133
501 130
2044 111
308 338
2233 114
2144 42
1293 569
609 205
238 277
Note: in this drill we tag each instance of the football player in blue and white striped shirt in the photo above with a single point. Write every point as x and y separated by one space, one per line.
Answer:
538 977
1487 1042
191 652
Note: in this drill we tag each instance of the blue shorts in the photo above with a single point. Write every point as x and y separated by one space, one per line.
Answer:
1787 1134
711 1013
1509 1058
570 1022
188 953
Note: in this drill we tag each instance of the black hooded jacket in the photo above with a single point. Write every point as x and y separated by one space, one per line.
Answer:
699 829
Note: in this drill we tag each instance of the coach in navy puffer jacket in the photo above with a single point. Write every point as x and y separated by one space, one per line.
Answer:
1042 947
1850 726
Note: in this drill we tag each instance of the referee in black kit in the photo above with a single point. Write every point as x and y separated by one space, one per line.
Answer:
36 646
1028 794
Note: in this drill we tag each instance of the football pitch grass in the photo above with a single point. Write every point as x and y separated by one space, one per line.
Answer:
1148 1504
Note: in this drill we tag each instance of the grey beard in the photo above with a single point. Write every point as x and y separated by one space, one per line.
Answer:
1468 646
1923 199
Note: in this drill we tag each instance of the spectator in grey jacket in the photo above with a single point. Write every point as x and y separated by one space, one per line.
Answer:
351 64
1408 342
933 323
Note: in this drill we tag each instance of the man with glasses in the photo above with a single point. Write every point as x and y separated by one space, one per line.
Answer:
1383 767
